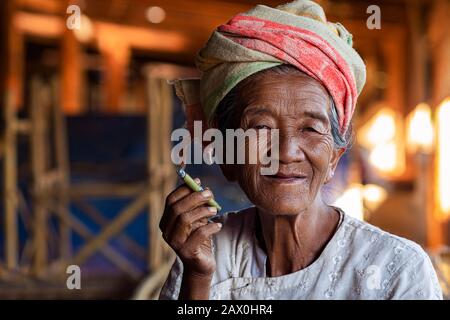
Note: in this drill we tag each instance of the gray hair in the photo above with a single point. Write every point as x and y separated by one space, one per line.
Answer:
226 110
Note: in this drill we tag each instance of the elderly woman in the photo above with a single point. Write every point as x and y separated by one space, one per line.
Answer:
288 69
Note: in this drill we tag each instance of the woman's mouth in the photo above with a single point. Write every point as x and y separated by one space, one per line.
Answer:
286 178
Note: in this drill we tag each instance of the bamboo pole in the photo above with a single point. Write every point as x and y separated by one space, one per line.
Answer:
154 149
170 176
38 163
7 94
62 164
10 187
161 172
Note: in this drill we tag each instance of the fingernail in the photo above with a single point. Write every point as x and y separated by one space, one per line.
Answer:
197 180
206 194
219 225
212 209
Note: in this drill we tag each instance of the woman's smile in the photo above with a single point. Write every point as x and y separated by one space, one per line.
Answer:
287 178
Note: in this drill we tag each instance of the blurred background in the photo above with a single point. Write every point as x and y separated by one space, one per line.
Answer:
87 115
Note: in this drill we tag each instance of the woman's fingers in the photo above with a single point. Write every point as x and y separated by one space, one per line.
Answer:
192 201
198 237
186 204
179 193
186 223
186 220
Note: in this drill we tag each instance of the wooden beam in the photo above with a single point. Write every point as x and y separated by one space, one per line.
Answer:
41 25
122 190
53 27
97 216
113 228
121 262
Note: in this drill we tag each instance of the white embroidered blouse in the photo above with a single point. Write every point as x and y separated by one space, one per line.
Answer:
360 262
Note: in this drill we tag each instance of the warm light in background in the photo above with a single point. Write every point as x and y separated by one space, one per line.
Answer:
357 197
351 202
155 14
374 196
86 31
420 129
443 155
382 129
384 157
382 136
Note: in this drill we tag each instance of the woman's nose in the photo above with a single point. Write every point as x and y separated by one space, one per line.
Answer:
290 149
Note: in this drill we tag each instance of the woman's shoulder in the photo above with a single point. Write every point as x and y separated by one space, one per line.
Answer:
404 266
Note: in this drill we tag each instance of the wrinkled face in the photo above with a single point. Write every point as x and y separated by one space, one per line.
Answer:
297 106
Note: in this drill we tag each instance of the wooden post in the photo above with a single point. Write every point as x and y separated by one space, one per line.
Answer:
418 93
10 187
116 56
71 73
170 177
161 172
10 152
62 164
39 154
439 36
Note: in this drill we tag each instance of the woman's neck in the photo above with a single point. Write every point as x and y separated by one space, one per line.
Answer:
294 242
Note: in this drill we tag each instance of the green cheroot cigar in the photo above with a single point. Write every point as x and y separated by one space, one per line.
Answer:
195 187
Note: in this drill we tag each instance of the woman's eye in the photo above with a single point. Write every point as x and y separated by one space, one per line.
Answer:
310 129
262 126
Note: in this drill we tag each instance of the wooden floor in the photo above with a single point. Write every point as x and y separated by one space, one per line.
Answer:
91 288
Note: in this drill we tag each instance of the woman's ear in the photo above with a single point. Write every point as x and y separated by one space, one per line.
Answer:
229 171
335 157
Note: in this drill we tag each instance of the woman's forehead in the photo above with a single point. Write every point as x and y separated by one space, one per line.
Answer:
285 94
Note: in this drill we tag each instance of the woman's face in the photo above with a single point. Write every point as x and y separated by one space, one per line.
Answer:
297 106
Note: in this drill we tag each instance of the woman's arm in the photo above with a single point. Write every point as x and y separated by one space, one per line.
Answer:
195 287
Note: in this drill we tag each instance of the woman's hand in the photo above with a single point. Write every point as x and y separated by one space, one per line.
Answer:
185 228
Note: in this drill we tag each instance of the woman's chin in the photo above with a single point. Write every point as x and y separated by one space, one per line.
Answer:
283 208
